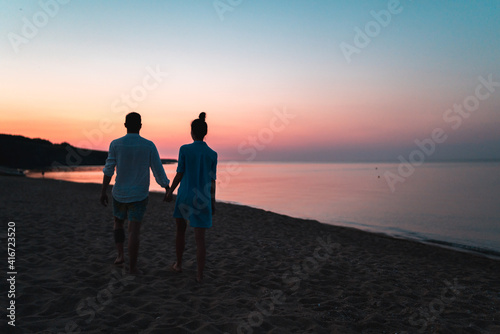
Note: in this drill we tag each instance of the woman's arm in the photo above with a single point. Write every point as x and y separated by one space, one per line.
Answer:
212 193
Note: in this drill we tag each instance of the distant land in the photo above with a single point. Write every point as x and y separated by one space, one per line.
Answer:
28 153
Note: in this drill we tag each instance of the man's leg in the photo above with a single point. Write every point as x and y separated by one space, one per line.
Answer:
180 242
133 245
199 234
119 240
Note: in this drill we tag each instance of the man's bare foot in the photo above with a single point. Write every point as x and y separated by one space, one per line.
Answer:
176 268
199 279
119 260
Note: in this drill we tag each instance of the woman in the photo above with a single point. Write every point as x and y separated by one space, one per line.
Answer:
196 173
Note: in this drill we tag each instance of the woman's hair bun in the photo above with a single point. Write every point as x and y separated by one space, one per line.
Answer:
202 116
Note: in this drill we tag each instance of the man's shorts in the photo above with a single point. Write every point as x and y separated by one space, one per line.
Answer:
134 211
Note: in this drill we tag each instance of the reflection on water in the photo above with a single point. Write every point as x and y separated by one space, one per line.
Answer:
456 203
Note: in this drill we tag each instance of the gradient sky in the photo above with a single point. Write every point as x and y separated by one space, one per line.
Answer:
66 80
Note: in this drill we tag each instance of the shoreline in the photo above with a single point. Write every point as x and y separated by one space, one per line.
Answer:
459 247
265 272
481 243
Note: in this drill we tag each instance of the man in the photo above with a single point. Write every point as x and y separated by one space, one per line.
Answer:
133 156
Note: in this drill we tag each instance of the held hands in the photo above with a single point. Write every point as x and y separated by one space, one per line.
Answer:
168 195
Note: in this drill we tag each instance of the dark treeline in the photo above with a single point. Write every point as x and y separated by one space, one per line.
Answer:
26 153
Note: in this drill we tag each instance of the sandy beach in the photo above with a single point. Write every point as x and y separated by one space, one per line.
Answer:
265 273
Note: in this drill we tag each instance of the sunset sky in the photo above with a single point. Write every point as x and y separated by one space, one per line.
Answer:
310 80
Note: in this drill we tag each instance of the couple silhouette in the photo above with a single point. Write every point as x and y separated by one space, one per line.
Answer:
132 156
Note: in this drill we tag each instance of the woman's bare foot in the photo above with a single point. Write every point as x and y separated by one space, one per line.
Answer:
176 268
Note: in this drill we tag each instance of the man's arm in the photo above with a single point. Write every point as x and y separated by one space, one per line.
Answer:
157 168
104 196
108 170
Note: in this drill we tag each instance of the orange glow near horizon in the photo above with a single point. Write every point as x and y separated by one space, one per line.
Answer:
333 126
341 126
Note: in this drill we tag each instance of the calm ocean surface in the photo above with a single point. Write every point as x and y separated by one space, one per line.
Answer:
452 204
